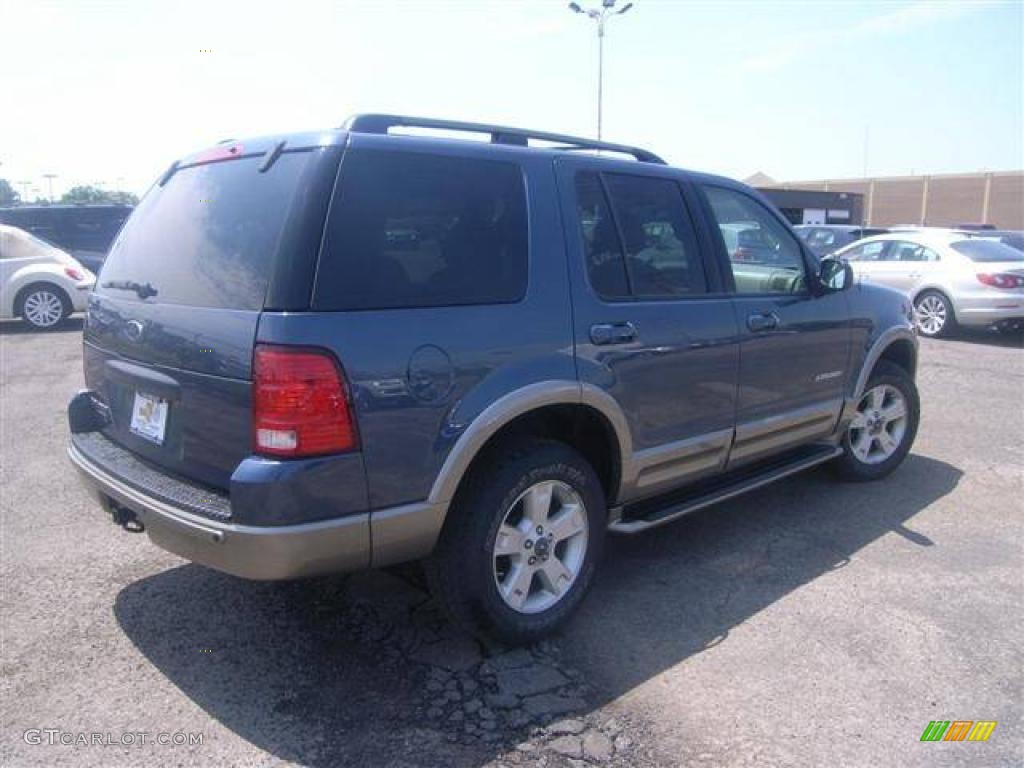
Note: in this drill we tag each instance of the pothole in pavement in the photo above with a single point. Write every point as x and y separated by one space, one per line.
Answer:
528 700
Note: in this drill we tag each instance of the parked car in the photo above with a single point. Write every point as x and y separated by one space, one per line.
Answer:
39 283
84 231
953 279
824 239
349 349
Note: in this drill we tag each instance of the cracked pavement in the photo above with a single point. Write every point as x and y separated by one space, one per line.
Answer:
808 623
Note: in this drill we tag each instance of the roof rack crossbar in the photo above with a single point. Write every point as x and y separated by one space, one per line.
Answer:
374 123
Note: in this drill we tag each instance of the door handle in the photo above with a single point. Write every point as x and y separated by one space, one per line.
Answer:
612 333
763 321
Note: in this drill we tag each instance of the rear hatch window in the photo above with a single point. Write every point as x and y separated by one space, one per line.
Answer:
983 250
172 324
208 237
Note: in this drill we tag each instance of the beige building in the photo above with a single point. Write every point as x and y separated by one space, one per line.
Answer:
941 200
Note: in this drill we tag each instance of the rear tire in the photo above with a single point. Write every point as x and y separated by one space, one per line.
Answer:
43 306
933 315
884 427
521 542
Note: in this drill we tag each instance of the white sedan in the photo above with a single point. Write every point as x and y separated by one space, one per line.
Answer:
39 282
952 279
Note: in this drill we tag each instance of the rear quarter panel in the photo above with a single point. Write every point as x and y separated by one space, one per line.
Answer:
419 377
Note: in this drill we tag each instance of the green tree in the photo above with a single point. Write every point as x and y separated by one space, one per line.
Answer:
89 194
8 196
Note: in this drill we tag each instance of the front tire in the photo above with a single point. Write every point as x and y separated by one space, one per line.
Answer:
933 315
884 426
43 306
521 543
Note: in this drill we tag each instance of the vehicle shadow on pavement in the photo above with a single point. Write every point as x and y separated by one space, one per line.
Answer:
364 670
21 328
1012 339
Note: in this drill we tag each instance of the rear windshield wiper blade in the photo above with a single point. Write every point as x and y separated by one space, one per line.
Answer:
142 290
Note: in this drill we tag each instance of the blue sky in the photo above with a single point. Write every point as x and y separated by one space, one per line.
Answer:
113 91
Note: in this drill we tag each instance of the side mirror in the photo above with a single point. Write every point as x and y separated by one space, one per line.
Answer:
834 274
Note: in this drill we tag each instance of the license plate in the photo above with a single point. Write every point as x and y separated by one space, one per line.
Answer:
149 417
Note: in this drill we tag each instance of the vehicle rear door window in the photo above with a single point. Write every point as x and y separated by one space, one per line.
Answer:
419 230
606 266
764 255
638 237
868 251
902 250
821 238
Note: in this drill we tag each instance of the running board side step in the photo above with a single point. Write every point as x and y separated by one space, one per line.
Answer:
727 489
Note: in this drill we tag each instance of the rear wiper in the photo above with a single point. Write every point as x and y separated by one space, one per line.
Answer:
142 290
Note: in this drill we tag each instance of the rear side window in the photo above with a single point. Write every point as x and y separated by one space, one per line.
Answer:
208 237
419 230
821 238
637 237
874 251
901 250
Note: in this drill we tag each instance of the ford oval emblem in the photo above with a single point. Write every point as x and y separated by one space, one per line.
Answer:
133 330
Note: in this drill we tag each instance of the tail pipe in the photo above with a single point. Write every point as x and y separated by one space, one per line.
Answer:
127 519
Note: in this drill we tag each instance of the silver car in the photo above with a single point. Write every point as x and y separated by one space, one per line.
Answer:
951 278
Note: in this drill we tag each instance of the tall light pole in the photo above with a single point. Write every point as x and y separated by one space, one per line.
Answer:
49 178
600 16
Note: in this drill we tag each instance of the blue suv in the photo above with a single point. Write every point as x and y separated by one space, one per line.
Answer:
356 348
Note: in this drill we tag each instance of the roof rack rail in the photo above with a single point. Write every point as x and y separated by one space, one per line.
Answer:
374 123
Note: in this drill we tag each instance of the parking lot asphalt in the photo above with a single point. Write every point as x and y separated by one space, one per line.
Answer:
809 623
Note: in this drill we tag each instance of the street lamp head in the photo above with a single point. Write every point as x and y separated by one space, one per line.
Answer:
608 3
575 7
624 8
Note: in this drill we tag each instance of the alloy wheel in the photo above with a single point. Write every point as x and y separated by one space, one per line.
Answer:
932 314
43 308
540 547
877 429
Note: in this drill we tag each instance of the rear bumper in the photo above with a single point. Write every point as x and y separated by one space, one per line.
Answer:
271 552
252 552
990 315
80 295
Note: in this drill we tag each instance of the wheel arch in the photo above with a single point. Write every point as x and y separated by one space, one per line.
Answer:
897 345
582 416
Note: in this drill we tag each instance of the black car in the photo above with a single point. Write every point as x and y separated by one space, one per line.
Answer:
84 231
824 239
348 349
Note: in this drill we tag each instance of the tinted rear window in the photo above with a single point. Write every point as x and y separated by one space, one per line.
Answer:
208 237
987 250
417 230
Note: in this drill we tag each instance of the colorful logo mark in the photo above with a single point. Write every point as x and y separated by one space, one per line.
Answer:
958 730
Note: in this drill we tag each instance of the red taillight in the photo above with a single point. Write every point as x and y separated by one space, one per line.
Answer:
73 273
300 403
1001 280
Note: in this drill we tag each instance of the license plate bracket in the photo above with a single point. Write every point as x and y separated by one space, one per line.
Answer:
149 417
